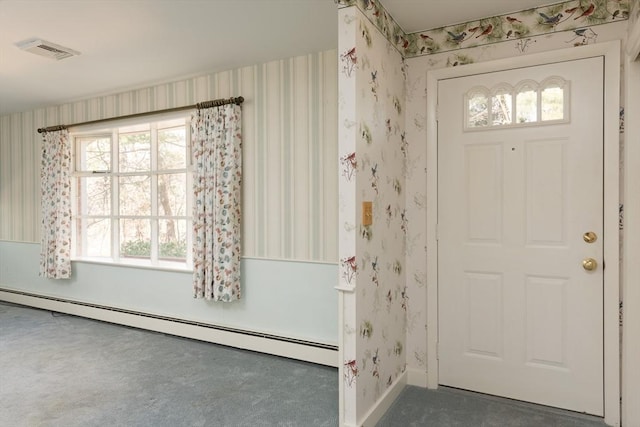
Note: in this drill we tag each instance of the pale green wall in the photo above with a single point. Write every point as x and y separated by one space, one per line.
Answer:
283 298
289 196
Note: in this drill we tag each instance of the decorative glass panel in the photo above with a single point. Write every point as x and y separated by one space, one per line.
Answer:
527 105
552 100
535 103
477 110
501 109
135 238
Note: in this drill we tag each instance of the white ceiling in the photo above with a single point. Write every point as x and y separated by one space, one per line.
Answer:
134 43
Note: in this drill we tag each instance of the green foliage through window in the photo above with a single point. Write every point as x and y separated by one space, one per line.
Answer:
142 248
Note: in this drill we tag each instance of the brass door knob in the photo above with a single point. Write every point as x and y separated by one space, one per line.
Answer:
589 264
590 237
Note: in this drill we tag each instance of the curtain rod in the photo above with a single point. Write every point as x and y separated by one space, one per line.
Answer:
200 105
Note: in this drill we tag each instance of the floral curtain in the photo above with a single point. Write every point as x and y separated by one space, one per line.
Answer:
55 186
216 142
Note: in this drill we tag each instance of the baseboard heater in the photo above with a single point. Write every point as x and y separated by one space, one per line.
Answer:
309 351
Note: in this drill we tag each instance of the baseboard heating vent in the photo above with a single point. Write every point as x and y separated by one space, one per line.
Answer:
177 320
47 49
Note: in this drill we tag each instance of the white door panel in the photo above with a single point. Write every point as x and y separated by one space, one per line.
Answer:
519 316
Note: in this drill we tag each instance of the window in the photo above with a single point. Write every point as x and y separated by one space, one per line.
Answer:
535 104
132 203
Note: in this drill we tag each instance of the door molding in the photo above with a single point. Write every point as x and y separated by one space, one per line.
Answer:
631 275
611 53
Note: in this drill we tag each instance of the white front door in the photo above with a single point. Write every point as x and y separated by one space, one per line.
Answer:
519 313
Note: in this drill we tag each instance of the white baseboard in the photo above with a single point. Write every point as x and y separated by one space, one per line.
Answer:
208 333
384 403
417 377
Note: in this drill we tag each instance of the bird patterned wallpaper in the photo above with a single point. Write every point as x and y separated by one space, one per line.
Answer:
370 139
576 16
372 163
634 12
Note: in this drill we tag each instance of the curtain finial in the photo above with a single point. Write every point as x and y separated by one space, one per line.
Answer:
52 128
219 102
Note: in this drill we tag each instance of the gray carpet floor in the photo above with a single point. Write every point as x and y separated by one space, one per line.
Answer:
449 407
60 370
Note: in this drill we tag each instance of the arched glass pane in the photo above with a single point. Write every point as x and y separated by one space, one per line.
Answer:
527 106
477 110
552 100
501 106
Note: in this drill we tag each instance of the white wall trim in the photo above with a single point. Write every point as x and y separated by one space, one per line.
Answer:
611 52
385 401
432 226
612 232
179 269
341 393
417 377
302 261
292 350
631 275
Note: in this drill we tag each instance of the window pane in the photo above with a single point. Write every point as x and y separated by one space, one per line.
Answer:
552 103
477 111
135 152
527 106
135 238
135 195
172 148
501 109
94 195
172 194
173 239
94 154
94 238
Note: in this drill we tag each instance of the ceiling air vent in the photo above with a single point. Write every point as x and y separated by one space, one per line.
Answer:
45 48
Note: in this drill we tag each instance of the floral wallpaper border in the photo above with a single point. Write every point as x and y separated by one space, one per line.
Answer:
575 16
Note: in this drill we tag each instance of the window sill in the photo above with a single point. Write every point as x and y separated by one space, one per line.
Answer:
132 264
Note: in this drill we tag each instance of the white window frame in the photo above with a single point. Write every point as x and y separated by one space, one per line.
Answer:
111 131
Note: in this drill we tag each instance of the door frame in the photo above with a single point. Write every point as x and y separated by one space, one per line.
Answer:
611 53
631 275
